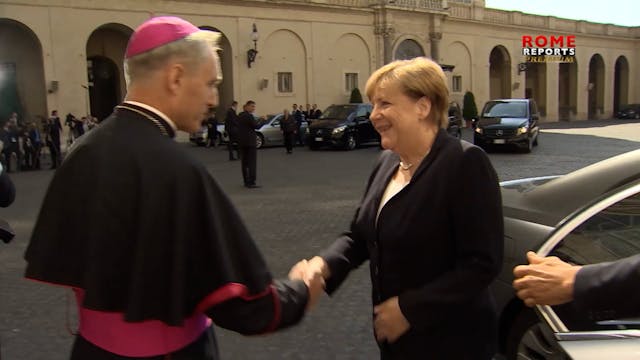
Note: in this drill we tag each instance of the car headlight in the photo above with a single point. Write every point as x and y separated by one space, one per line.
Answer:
522 130
478 130
339 130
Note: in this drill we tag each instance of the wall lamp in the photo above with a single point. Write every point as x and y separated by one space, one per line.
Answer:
252 53
522 67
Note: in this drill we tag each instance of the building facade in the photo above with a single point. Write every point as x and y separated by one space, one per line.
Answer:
67 54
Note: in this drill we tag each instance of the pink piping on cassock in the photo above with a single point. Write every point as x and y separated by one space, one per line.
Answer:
109 331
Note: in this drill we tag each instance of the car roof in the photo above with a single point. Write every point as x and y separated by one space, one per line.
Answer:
550 200
511 100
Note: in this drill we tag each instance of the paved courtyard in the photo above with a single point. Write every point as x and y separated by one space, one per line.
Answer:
306 200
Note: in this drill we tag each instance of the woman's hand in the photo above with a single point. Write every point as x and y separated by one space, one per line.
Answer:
389 322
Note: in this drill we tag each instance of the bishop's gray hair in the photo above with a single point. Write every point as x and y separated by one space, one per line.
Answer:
191 50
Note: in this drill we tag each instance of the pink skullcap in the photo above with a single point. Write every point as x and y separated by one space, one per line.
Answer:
156 32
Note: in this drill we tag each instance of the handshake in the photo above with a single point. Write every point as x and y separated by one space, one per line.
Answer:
313 272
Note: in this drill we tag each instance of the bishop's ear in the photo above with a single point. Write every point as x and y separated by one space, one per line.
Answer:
175 75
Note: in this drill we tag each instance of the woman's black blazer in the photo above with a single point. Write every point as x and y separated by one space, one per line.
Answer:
437 245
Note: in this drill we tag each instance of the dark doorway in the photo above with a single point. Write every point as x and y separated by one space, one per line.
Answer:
103 86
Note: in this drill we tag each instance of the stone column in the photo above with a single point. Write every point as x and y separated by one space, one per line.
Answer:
435 38
552 93
387 32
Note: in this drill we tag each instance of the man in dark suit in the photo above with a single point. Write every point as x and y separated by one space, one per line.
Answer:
231 127
52 133
299 117
605 291
247 144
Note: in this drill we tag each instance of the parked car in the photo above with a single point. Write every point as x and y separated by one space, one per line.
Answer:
268 132
200 137
221 135
508 122
455 120
343 126
630 111
588 216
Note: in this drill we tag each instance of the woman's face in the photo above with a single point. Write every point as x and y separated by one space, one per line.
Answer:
398 118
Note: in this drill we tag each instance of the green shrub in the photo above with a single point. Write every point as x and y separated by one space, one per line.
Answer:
469 109
356 97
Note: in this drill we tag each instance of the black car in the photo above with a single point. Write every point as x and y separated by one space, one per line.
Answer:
630 111
508 122
342 126
591 215
455 120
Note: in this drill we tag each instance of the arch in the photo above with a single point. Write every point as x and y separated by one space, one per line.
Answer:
621 83
292 61
499 73
596 86
351 56
22 86
567 90
104 86
408 49
536 85
225 89
105 70
459 56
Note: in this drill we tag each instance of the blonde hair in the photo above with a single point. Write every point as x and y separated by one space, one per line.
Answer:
191 50
416 78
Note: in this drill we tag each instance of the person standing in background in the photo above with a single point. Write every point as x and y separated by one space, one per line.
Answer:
247 144
231 128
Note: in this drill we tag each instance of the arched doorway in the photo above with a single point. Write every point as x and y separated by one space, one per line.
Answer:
596 86
225 89
105 72
499 73
22 85
621 84
567 90
408 49
104 86
536 85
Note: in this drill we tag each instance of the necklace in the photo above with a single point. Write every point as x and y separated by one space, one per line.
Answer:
404 166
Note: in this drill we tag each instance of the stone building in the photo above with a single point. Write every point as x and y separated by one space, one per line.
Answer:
67 54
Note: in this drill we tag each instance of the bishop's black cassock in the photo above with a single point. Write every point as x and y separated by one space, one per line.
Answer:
139 227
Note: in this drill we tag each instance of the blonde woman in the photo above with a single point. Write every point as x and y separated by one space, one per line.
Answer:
434 243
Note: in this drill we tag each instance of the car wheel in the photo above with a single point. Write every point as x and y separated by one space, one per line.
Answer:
259 140
526 340
351 142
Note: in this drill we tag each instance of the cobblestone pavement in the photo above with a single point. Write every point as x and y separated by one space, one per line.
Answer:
307 199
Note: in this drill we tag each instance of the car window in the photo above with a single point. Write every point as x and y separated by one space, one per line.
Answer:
534 108
362 112
609 235
454 109
505 109
338 112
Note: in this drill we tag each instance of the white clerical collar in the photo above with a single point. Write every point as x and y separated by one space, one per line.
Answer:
156 111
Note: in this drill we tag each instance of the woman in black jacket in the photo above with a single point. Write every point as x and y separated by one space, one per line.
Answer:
433 242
